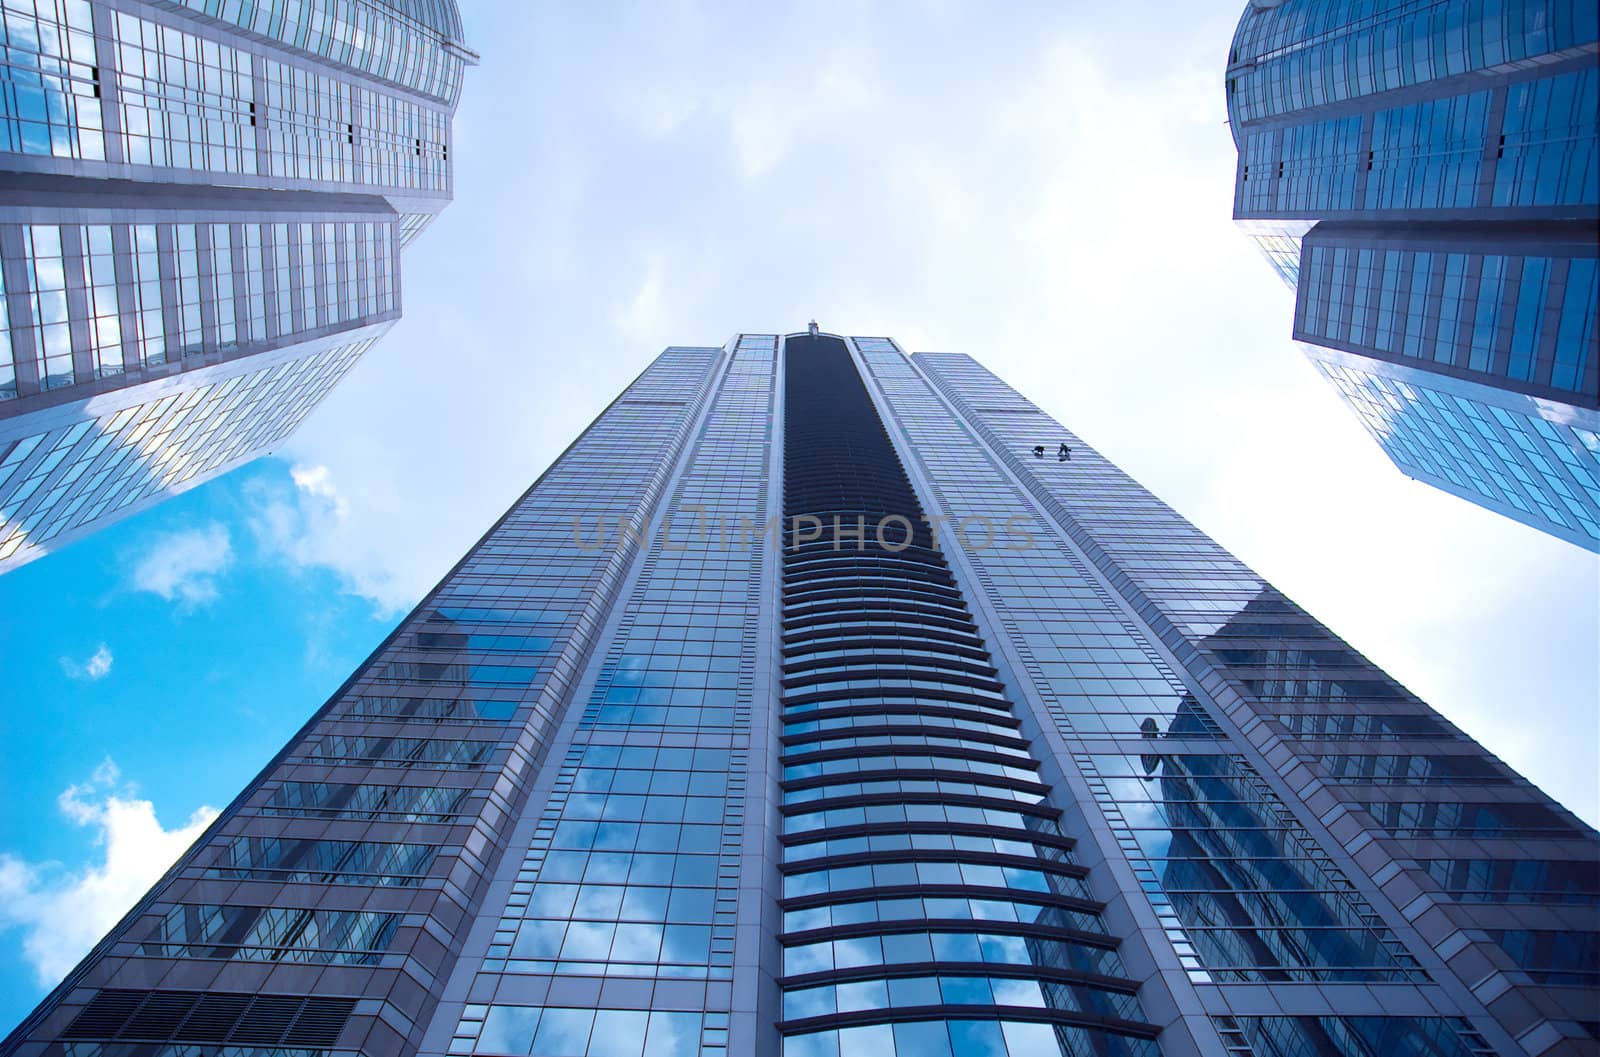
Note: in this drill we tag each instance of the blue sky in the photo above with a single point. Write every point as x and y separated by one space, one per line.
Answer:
1048 191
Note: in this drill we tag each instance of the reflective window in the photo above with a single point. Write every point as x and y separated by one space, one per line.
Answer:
400 803
956 1038
957 908
331 937
1481 313
964 990
184 100
323 861
564 1032
1254 896
1517 880
1514 461
1548 153
1388 1036
49 81
1553 958
1477 821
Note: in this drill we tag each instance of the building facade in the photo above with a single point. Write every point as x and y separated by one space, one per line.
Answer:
1426 176
202 206
821 700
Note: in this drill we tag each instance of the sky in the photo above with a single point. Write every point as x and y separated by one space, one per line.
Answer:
1044 186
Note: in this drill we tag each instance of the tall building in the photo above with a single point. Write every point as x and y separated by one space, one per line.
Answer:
202 205
825 701
1425 174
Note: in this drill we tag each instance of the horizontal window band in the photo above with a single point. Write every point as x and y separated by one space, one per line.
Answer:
420 727
949 768
889 614
907 562
937 580
901 639
984 892
1045 973
339 764
902 635
211 951
889 799
974 858
891 730
822 547
353 830
1354 701
1302 671
866 511
793 700
847 563
455 722
357 814
868 608
364 879
872 476
859 588
966 829
822 487
893 662
893 655
869 462
853 598
211 1018
858 591
898 681
871 730
934 712
902 676
1032 1014
916 774
901 926
866 588
893 612
847 559
445 782
855 601
953 752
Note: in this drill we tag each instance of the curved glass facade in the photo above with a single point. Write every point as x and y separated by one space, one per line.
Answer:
715 745
931 904
416 44
1309 53
1426 175
206 201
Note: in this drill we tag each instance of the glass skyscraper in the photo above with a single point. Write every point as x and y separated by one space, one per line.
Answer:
202 205
1425 174
820 700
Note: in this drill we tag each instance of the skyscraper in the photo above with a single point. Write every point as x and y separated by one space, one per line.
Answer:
202 205
822 700
1426 176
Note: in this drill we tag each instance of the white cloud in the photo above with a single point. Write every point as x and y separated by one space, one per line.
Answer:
183 566
659 114
1050 193
96 667
62 911
772 118
311 527
647 315
317 481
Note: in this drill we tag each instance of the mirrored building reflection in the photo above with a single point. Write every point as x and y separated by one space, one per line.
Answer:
1426 177
202 207
805 707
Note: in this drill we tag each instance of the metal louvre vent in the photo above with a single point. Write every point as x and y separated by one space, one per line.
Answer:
299 1022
